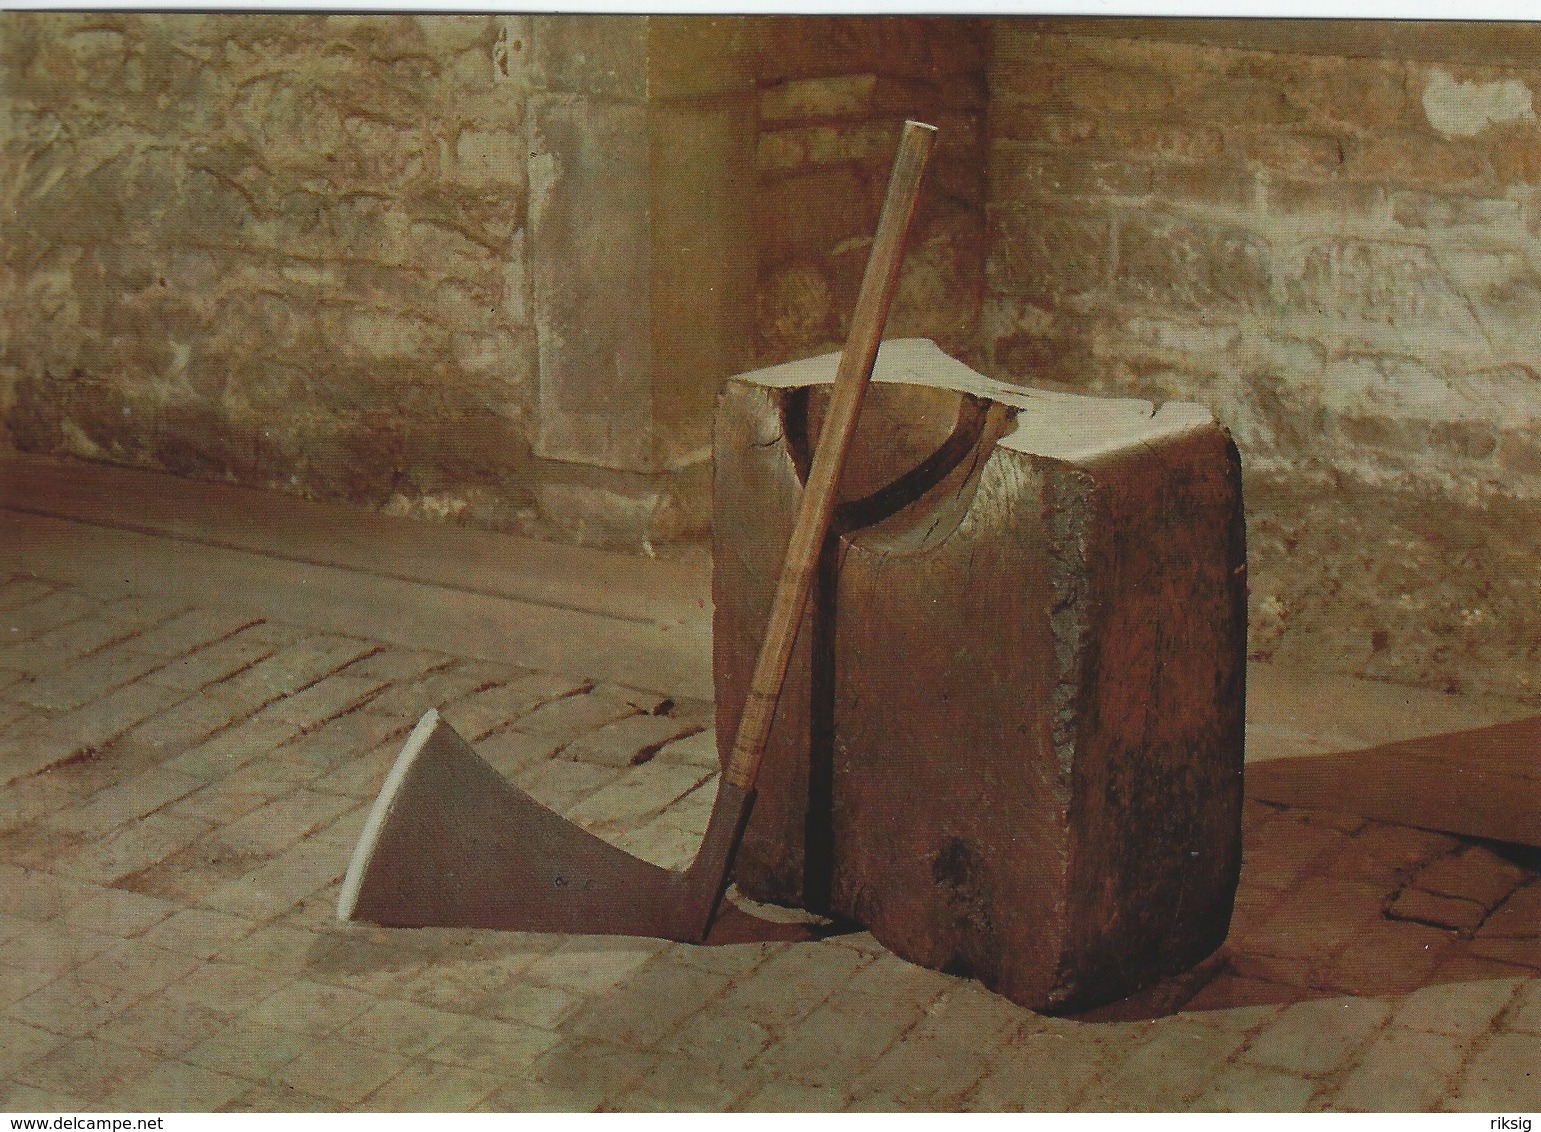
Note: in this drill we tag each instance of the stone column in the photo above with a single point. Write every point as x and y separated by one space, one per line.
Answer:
641 260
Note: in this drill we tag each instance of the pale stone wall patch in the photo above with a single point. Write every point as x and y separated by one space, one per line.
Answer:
1459 108
1340 257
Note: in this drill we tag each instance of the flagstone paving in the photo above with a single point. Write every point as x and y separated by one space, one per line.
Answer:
181 787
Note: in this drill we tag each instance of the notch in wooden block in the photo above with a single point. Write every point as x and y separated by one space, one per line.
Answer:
1011 742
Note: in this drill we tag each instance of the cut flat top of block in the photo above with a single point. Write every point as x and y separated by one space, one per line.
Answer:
1060 426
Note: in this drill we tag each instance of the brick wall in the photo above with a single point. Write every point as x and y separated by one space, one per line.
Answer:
280 250
1340 256
832 93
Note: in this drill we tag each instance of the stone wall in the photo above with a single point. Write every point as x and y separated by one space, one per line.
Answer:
641 139
494 269
832 95
1341 256
483 269
279 250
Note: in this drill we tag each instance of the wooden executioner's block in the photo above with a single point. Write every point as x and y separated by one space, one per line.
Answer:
1010 742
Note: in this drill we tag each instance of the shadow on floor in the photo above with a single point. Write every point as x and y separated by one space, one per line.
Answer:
1332 902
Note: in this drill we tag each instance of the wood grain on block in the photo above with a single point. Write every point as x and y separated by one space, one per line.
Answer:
1010 742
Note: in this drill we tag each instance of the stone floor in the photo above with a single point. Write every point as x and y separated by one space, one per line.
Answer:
190 738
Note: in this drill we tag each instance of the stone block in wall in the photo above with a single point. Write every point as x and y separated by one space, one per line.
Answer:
865 95
1193 265
601 55
1307 202
907 47
808 146
826 96
1386 178
702 295
593 507
699 57
1312 151
590 275
490 157
1046 253
939 289
629 58
805 215
1364 93
1437 212
1221 187
1383 293
1010 742
1234 100
639 234
448 35
359 185
1517 164
1022 172
1411 157
832 93
959 172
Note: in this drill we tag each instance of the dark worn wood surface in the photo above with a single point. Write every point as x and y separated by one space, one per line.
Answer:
1011 740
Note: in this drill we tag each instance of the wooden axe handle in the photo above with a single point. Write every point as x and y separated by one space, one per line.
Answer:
818 503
